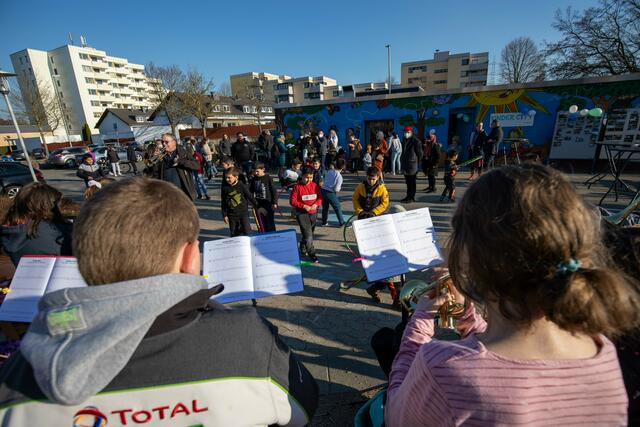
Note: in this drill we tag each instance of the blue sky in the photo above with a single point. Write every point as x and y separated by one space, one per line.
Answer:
341 39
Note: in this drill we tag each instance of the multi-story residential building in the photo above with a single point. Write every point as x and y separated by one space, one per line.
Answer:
280 88
447 71
255 84
86 81
353 90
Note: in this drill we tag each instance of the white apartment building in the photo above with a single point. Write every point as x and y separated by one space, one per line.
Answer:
86 82
280 88
447 71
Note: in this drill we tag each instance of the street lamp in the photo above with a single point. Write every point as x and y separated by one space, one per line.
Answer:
4 89
388 46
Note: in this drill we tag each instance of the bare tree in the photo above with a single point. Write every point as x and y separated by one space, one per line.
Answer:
601 40
197 97
225 89
166 86
39 104
256 102
521 61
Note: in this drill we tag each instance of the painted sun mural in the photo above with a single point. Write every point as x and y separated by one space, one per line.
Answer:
502 101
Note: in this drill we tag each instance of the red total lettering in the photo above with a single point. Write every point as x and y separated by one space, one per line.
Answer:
160 410
179 408
122 412
137 420
195 409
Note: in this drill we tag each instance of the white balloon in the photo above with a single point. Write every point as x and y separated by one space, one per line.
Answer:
573 109
584 112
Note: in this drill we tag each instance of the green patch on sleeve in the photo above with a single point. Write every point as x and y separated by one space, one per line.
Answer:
65 320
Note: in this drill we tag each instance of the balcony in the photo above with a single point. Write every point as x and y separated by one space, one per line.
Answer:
99 64
284 91
475 78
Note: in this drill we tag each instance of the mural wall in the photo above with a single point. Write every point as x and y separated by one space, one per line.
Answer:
524 113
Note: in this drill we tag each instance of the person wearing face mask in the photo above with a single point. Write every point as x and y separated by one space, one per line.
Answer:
409 160
323 149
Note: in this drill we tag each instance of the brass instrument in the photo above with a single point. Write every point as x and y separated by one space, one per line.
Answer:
156 158
413 290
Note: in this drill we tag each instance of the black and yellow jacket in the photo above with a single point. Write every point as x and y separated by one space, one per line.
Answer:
374 199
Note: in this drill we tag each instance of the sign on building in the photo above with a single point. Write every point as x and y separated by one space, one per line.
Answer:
509 120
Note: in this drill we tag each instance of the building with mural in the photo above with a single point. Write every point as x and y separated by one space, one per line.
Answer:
526 111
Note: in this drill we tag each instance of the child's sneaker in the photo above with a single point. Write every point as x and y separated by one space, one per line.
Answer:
314 258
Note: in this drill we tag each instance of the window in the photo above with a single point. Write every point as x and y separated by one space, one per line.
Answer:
315 95
95 103
89 80
283 85
307 85
464 74
465 61
441 70
87 68
20 59
216 108
254 109
269 110
51 59
336 93
92 92
246 109
97 115
110 64
84 56
61 95
231 124
140 119
58 81
418 68
439 82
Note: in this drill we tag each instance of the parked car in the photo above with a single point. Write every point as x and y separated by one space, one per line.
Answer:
65 156
36 153
13 176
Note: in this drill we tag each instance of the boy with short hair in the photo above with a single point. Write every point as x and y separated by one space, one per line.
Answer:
306 198
228 164
136 335
450 171
330 189
235 202
266 195
370 199
318 175
292 175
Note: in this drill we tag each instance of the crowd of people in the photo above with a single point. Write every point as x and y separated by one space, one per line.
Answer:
549 296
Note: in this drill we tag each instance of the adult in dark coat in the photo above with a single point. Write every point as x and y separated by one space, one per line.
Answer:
243 153
430 159
178 165
493 143
409 160
132 158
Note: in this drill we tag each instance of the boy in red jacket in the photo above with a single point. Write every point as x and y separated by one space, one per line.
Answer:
305 199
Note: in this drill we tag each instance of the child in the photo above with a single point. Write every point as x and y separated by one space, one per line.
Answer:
330 189
88 170
534 258
366 159
228 164
235 199
198 179
318 174
114 161
35 225
95 186
450 171
370 199
306 198
266 195
292 175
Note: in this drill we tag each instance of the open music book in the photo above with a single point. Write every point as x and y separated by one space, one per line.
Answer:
253 267
36 276
397 243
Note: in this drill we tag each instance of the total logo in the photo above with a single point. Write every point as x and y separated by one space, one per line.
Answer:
90 416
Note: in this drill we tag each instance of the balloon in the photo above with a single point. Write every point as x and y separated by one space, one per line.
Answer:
584 112
596 112
459 115
435 112
573 109
465 118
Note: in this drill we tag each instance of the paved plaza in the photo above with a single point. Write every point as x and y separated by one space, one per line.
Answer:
329 328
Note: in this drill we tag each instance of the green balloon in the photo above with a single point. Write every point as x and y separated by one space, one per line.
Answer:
465 118
595 112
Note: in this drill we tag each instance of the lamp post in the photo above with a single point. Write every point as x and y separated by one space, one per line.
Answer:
388 46
4 89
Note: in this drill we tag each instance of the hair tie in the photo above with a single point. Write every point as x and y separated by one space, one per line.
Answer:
572 265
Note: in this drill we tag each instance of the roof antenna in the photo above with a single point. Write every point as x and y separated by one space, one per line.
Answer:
70 38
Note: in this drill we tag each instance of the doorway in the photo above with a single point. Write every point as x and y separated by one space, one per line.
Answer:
461 128
372 127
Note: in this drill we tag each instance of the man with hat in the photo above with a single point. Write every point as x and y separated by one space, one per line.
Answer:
409 160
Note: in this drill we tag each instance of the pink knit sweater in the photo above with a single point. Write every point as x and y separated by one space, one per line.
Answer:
446 383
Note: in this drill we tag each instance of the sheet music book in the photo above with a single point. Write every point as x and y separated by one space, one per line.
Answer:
34 277
397 243
253 267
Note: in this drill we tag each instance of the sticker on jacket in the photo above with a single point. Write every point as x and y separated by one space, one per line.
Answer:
307 197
